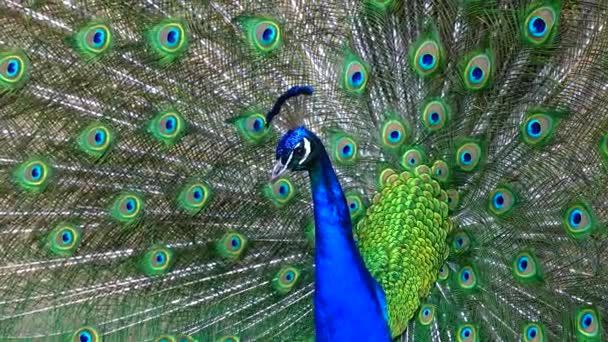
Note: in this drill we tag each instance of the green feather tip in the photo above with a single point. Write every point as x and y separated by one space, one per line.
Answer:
194 196
578 220
426 314
285 279
168 40
467 333
427 55
526 268
533 332
539 125
14 69
281 192
231 245
412 158
501 201
252 127
33 174
63 239
127 207
263 34
167 126
588 325
95 140
469 155
461 242
467 278
394 133
165 338
157 261
94 39
440 171
355 74
444 273
355 205
88 334
477 70
435 114
539 23
344 148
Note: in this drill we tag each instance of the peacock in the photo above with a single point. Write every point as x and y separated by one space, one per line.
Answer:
299 170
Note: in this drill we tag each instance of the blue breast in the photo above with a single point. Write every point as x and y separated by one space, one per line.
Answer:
349 304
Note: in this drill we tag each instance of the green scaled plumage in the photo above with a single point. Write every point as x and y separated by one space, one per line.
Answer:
136 155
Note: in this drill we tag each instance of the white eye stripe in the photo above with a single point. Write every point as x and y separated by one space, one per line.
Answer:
307 151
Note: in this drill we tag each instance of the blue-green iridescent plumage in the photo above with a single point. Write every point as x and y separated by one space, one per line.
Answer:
469 138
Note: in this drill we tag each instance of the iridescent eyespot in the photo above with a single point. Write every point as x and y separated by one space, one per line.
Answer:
533 332
539 25
588 325
501 201
355 206
93 39
281 192
231 245
444 272
285 279
185 338
157 261
268 35
86 334
167 127
435 114
344 149
426 59
95 140
165 338
263 34
127 207
467 333
526 269
380 4
252 127
467 278
14 69
355 75
440 171
63 239
394 133
229 339
426 314
193 197
538 128
578 220
478 72
468 156
461 242
33 174
412 158
453 199
168 39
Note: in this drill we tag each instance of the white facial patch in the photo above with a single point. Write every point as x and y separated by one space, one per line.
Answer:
306 151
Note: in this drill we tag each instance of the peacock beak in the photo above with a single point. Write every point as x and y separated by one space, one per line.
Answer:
278 170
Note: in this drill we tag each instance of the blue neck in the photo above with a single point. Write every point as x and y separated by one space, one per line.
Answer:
349 304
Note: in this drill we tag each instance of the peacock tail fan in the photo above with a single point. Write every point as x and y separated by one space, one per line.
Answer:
470 138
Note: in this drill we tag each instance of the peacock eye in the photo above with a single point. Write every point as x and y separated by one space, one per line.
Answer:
299 151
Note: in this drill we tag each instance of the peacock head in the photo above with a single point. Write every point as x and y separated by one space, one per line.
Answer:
295 151
298 147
